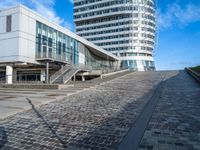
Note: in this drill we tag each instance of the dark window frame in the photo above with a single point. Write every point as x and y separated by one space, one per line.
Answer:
8 23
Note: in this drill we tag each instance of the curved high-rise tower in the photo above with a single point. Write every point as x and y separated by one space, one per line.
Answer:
127 28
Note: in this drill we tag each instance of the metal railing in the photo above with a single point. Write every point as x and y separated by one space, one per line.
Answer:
67 72
49 55
82 67
70 74
57 74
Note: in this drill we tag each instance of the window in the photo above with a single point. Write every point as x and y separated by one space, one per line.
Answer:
8 23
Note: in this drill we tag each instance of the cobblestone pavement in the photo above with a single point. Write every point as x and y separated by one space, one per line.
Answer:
100 117
13 101
97 118
175 124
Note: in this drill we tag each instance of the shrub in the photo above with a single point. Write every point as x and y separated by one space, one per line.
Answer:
197 69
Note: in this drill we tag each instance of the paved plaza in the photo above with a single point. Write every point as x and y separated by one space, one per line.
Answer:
175 123
104 115
13 101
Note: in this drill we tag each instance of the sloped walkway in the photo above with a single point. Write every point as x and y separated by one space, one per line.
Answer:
175 124
101 117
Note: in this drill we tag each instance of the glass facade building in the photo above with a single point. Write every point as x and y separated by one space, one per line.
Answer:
127 28
54 45
36 49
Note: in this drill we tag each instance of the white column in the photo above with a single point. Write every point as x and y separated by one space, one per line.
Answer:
42 75
9 74
62 67
74 77
83 78
140 65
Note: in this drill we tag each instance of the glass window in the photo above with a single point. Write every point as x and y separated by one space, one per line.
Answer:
8 23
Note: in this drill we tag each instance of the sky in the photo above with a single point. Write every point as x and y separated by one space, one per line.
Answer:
178 40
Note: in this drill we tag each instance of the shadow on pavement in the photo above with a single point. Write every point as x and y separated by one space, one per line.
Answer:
3 137
110 132
93 131
46 123
107 132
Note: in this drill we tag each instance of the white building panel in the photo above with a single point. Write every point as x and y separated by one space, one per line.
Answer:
19 45
9 52
15 22
3 24
81 58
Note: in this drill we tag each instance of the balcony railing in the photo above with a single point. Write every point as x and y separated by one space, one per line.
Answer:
51 56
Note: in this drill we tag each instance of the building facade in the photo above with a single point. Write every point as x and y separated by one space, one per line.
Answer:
127 28
33 48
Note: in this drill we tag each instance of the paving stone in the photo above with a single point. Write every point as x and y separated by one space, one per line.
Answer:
175 121
100 117
96 118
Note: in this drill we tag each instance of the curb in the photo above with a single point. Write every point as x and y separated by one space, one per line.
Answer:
194 74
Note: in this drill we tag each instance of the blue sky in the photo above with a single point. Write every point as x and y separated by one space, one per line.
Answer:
178 43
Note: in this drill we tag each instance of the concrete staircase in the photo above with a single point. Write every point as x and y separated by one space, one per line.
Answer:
70 74
58 75
65 74
59 80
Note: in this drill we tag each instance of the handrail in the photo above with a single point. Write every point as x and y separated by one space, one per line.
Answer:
49 55
73 68
81 67
57 74
70 74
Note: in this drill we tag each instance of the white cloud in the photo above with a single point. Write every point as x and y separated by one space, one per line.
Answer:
175 14
46 9
43 7
7 3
